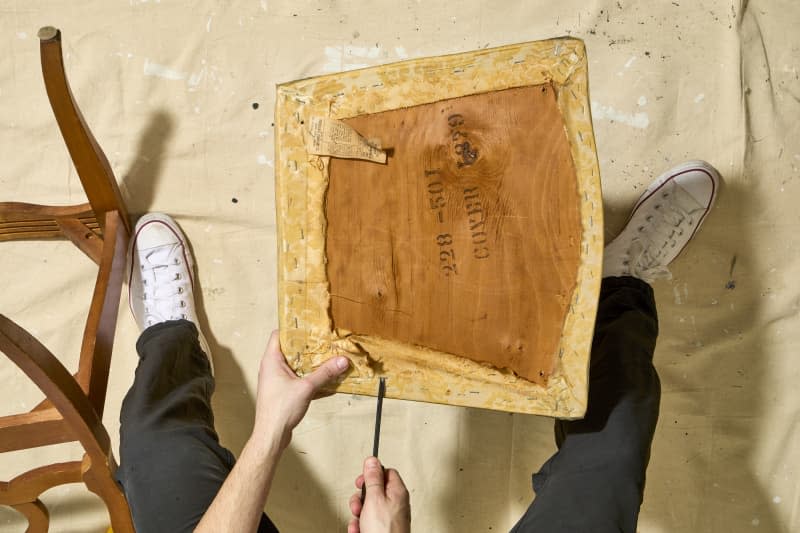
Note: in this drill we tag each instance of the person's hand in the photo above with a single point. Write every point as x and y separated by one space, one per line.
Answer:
386 508
283 398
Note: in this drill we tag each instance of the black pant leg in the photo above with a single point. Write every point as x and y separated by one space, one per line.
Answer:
171 462
595 482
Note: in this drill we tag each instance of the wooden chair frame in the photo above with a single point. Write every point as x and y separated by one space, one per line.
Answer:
73 408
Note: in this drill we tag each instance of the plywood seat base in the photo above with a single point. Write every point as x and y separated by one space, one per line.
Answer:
467 240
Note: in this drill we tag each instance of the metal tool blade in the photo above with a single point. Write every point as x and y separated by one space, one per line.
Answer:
377 438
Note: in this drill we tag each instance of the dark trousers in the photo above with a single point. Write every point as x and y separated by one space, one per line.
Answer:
172 464
595 482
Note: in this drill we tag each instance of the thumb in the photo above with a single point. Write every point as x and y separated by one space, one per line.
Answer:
274 344
373 477
273 356
327 371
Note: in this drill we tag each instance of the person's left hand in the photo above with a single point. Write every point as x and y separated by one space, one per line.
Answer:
283 398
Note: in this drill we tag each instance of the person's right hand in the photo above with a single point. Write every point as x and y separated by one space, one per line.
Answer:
386 508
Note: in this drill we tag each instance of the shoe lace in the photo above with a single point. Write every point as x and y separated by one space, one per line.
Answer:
644 265
160 273
658 234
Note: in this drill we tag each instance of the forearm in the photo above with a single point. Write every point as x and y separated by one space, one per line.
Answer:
281 403
240 502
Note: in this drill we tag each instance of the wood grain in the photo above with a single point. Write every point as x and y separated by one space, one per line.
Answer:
467 240
22 221
28 486
37 515
73 407
37 428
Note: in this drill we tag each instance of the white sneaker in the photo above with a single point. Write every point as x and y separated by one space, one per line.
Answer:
662 222
161 275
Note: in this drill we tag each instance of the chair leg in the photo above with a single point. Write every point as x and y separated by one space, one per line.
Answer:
37 515
100 480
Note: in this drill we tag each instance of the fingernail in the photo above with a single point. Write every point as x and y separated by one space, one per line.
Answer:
372 462
342 362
